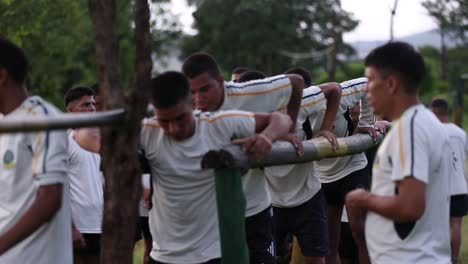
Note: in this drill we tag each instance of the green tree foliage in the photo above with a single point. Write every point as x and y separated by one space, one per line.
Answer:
57 37
254 33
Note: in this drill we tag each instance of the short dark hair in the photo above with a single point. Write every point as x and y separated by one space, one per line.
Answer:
96 89
198 63
239 70
14 60
402 59
303 72
251 75
168 89
76 93
440 106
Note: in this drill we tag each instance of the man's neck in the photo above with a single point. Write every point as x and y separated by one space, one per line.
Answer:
443 118
12 97
403 103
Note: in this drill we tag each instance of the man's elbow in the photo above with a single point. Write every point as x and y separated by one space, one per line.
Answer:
412 213
297 83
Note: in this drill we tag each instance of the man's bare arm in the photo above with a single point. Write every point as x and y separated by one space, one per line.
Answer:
408 204
44 207
296 97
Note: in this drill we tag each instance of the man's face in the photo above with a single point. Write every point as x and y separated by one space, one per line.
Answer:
235 77
84 104
98 100
177 121
379 93
207 92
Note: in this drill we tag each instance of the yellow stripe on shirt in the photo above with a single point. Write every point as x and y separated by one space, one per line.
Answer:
36 154
351 93
400 142
260 92
210 120
313 102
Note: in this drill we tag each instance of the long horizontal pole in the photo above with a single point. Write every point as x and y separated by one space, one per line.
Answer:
61 121
283 153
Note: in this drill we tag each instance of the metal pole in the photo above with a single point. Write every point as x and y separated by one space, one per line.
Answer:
283 153
61 121
231 216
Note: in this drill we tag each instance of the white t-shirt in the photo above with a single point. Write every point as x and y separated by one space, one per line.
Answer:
86 187
265 95
184 218
29 161
416 146
293 185
458 143
333 169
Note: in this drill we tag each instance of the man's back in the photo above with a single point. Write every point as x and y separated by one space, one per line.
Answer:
458 143
417 146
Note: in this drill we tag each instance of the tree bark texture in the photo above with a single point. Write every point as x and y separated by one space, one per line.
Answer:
120 143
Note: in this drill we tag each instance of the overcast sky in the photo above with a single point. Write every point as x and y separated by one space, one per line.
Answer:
374 17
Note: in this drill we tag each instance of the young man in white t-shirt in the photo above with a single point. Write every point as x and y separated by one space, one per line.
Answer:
184 219
408 206
278 93
458 187
342 174
86 185
34 208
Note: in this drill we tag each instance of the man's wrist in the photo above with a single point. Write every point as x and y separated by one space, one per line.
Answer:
267 137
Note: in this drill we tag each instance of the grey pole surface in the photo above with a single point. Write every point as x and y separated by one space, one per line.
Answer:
61 121
283 153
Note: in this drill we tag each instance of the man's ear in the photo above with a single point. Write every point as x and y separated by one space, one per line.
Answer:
69 108
393 84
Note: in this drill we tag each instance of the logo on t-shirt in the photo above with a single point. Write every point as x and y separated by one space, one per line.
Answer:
8 159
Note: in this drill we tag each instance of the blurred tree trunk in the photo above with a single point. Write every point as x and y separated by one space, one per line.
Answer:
120 144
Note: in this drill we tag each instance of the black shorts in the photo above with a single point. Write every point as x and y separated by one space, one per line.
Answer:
93 245
307 222
458 205
347 247
259 237
213 261
335 192
143 230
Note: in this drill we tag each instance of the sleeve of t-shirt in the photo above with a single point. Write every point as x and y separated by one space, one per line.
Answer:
264 95
313 102
235 124
50 157
352 93
410 150
149 130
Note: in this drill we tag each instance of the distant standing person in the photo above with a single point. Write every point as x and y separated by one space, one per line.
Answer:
408 206
458 188
86 184
34 207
